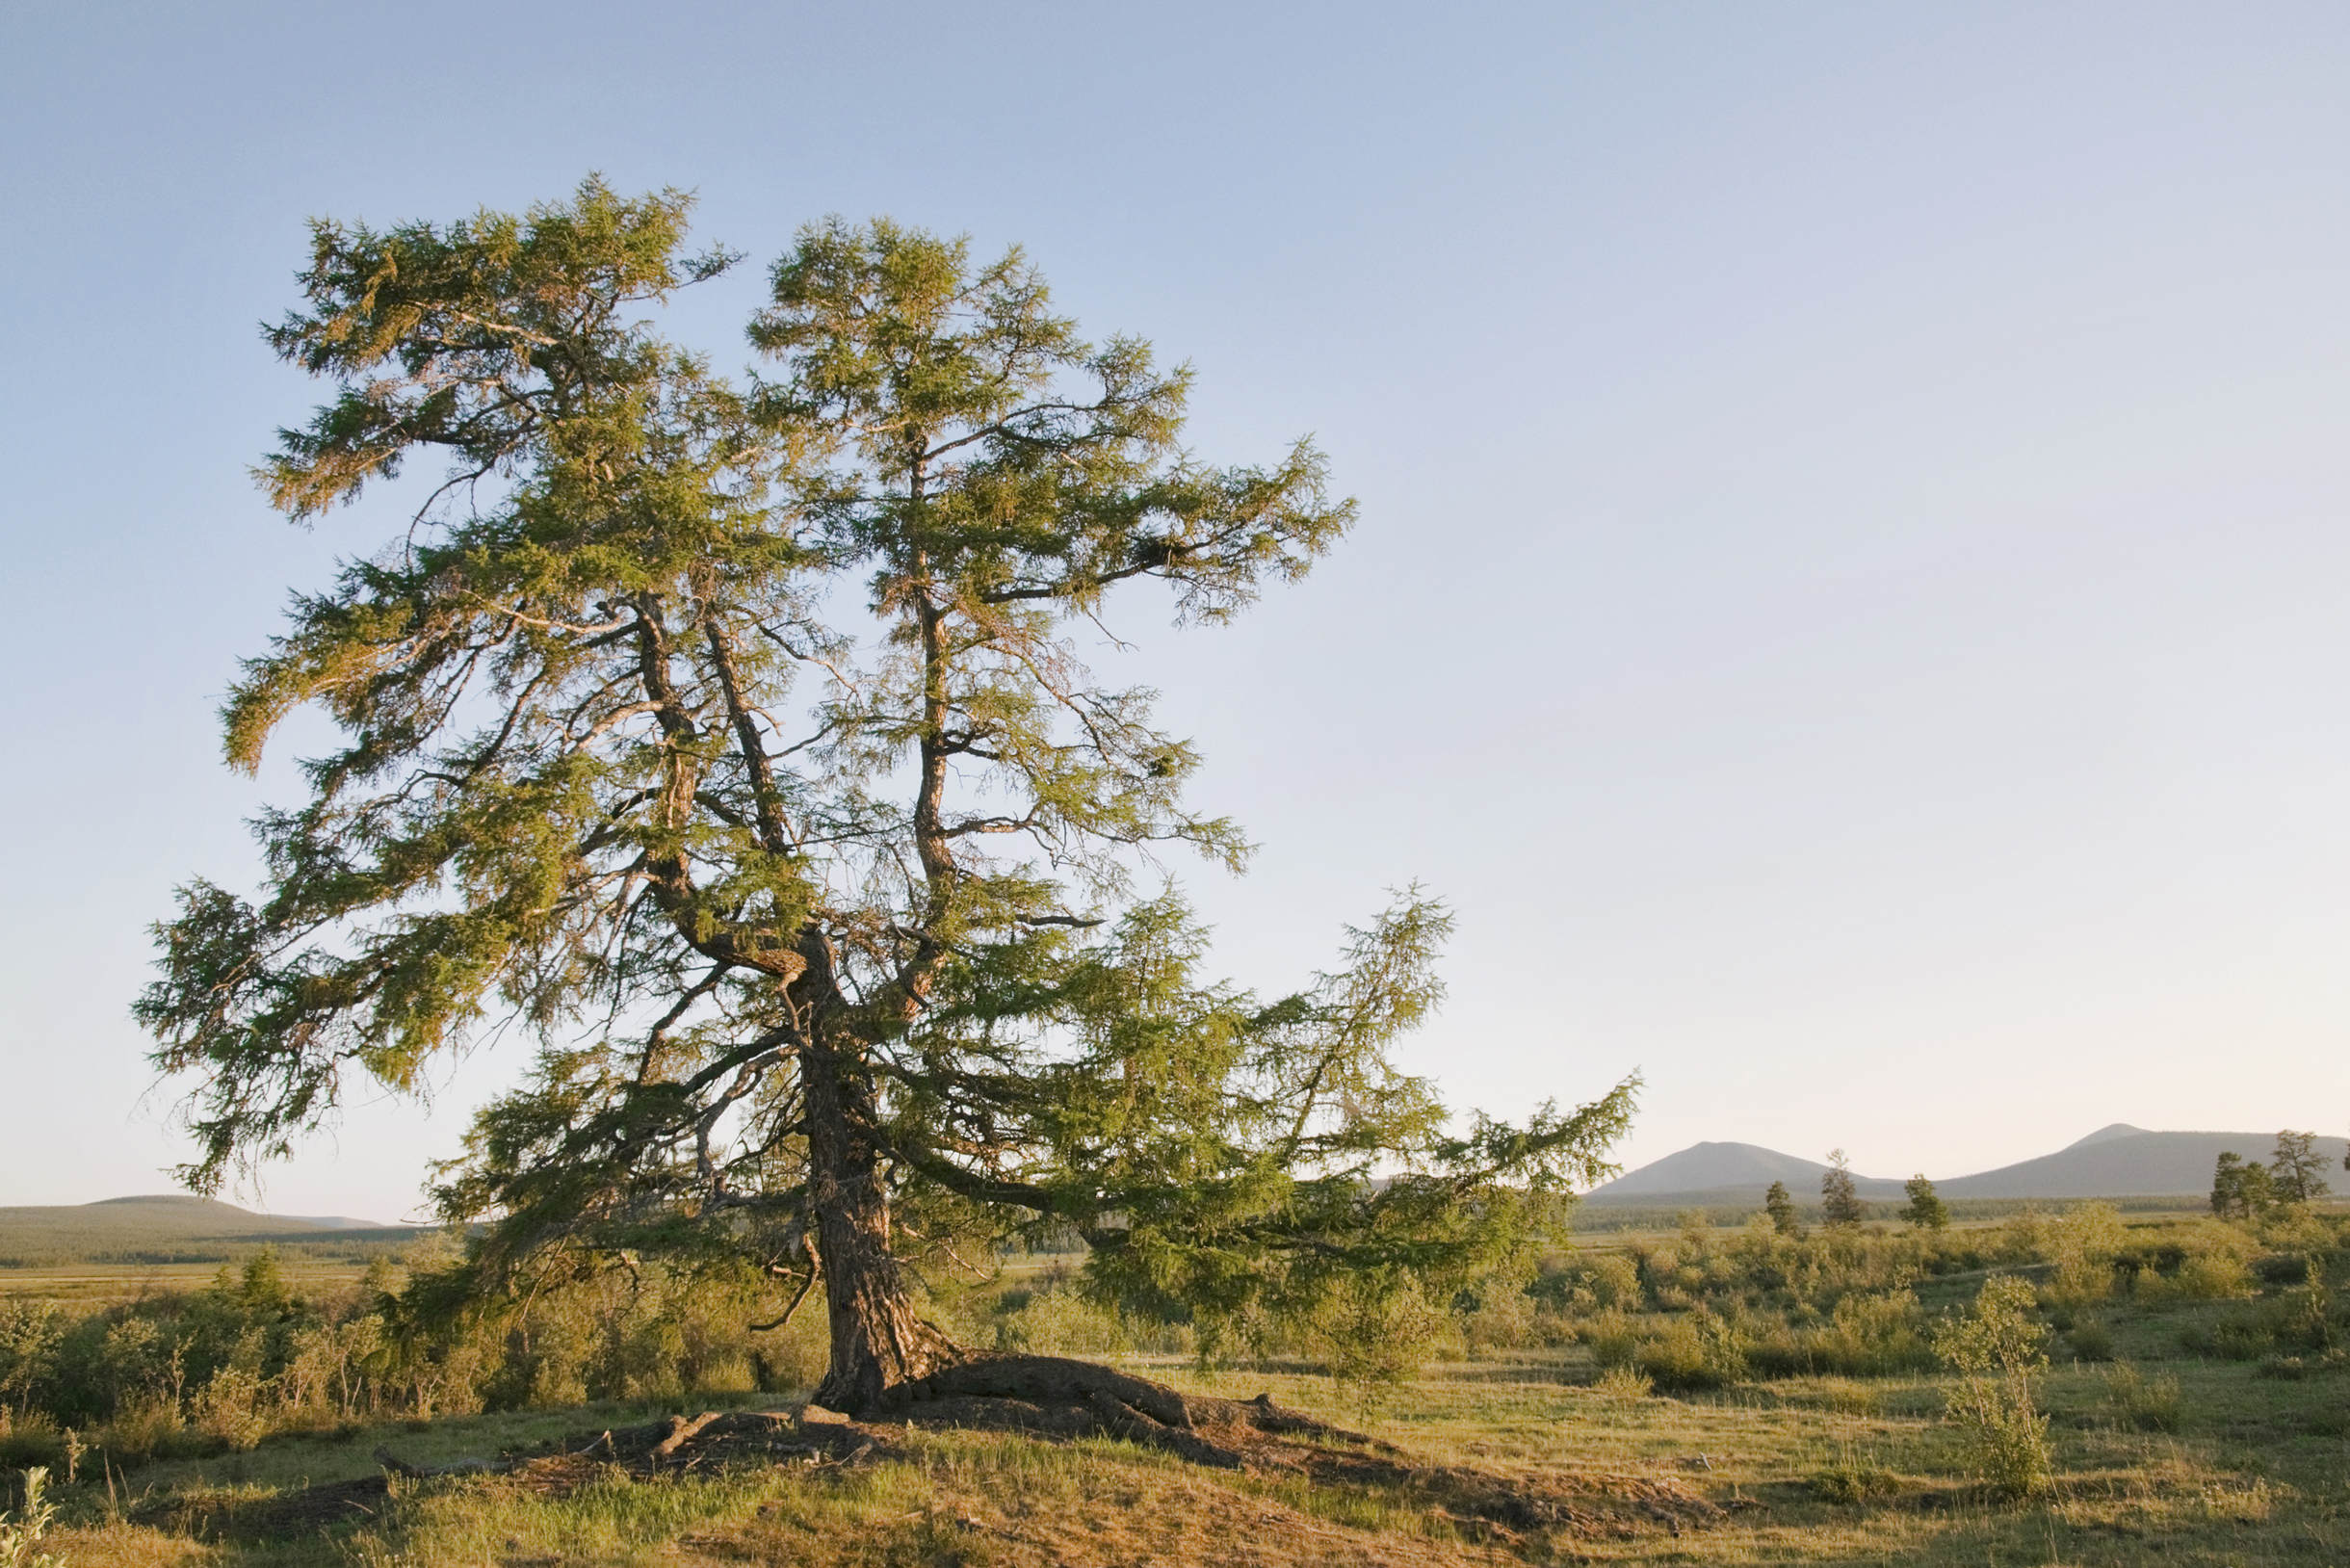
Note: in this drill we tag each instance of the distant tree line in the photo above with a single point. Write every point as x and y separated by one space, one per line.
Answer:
1840 1205
2240 1189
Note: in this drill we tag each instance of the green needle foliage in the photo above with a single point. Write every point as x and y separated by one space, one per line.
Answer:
2295 1168
1839 1200
2242 1190
728 741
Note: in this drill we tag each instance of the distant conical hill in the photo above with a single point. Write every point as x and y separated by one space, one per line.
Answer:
2136 1163
2115 1161
1709 1167
2106 1135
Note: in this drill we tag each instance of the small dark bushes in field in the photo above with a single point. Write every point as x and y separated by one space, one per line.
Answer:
2089 1340
1853 1480
2140 1403
2282 1269
2294 1367
2298 1318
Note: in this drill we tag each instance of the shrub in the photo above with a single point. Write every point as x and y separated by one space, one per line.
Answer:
1059 1322
1378 1329
2134 1402
1614 1279
150 1429
29 1335
2241 1337
1499 1318
2084 1244
2090 1340
227 1410
1696 1351
1851 1480
1612 1338
1996 1351
1867 1333
791 1358
2295 1227
2206 1276
1873 1336
1624 1383
30 1439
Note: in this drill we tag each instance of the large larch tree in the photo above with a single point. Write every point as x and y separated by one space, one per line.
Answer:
726 739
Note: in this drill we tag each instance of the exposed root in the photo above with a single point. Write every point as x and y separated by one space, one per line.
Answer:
1051 1397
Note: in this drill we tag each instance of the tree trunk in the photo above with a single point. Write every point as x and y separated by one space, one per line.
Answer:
877 1340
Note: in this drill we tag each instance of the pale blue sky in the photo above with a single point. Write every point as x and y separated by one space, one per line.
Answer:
1851 597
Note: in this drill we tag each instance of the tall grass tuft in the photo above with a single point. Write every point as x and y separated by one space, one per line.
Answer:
2140 1403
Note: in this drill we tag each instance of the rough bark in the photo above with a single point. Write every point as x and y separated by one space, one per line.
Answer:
878 1341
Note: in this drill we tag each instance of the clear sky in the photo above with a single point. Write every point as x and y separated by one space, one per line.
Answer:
1853 595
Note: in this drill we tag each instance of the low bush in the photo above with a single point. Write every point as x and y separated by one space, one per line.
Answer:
2141 1403
30 1439
1695 1351
2204 1277
1379 1329
1996 1351
1853 1480
2090 1340
1625 1383
1864 1336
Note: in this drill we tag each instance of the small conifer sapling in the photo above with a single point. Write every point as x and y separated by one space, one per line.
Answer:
1840 1202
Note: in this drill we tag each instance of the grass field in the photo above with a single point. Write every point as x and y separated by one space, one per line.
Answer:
2160 1456
2256 1474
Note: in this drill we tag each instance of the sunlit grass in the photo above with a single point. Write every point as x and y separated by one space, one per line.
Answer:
2249 1470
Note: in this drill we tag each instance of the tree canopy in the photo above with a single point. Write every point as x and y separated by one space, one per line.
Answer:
1839 1199
727 739
1926 1208
2295 1169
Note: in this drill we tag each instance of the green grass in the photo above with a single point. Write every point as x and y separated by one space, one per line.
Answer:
2161 1454
1841 1471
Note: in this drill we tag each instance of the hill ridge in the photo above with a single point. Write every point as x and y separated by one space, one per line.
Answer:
2116 1161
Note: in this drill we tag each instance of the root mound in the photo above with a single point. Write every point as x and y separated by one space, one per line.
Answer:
1051 1397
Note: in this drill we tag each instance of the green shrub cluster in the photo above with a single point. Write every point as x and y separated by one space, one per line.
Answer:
1707 1307
182 1373
1995 1347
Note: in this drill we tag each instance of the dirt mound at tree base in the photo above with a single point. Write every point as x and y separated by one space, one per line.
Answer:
1254 1437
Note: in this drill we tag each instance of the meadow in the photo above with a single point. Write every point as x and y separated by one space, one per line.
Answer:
1698 1393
